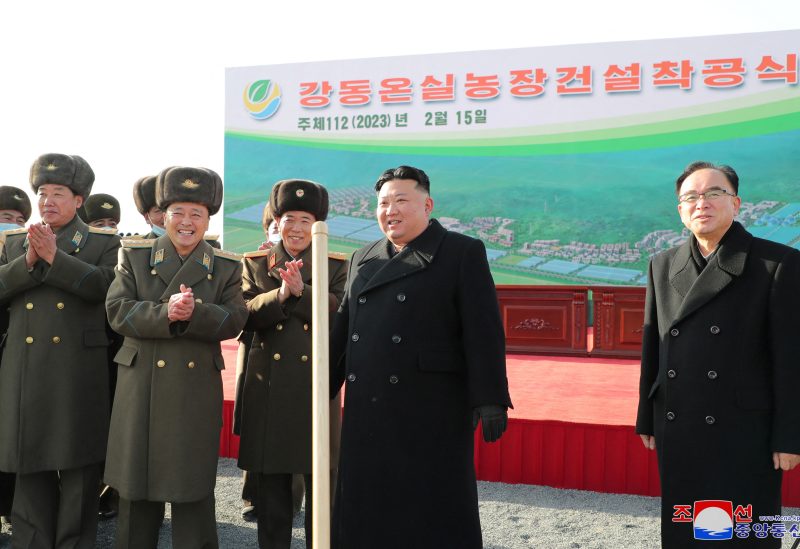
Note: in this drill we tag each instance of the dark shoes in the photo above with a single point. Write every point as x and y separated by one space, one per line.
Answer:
109 502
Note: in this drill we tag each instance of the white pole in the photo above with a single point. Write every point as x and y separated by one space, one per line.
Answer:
320 397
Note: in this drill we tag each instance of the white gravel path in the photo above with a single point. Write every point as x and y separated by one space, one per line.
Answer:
513 516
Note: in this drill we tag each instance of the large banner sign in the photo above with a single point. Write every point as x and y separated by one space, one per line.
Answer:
561 159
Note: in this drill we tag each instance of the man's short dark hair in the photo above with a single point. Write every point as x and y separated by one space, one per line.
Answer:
729 173
404 172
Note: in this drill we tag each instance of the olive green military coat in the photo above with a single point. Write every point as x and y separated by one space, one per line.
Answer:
54 376
165 425
275 403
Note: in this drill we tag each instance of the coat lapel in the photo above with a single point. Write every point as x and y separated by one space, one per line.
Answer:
727 263
416 256
195 268
71 238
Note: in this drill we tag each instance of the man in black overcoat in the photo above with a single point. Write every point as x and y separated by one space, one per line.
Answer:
419 343
720 372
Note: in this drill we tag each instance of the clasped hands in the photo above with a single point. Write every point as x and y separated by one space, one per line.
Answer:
291 280
41 244
181 305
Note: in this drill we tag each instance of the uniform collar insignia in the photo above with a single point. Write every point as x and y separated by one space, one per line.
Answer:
206 261
273 260
159 257
77 238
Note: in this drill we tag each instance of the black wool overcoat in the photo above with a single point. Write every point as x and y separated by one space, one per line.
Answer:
720 374
418 343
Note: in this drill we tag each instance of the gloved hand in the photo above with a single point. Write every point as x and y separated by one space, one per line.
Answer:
494 418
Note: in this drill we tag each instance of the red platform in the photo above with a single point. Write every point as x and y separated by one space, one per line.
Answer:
571 427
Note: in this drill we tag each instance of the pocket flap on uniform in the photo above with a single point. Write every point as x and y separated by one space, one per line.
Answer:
95 338
125 355
653 389
440 361
219 362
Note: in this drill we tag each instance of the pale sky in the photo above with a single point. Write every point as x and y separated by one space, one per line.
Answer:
138 88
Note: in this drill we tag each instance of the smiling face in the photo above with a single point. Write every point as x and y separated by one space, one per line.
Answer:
295 230
708 220
58 205
186 223
404 209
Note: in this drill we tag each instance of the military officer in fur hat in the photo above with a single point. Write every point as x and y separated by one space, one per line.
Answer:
54 376
144 196
15 210
276 399
174 299
101 211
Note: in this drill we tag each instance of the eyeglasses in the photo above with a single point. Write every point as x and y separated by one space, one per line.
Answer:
713 194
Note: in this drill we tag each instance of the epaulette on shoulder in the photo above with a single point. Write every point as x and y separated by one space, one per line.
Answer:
103 230
257 253
11 232
340 256
138 242
224 254
210 236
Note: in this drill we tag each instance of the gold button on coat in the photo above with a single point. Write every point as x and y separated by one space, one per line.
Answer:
56 339
29 339
29 306
304 358
305 327
191 365
279 327
198 300
276 356
211 277
59 305
161 363
153 271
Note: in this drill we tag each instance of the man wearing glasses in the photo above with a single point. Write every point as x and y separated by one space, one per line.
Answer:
718 388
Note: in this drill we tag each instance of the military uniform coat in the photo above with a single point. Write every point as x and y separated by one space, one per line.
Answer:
720 375
54 374
167 414
420 343
275 422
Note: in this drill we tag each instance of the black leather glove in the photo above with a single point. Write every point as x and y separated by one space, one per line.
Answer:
494 419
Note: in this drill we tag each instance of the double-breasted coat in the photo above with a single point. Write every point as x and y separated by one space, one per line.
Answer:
54 402
419 344
275 402
167 415
720 374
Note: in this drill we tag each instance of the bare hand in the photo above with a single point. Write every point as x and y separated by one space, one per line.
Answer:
266 245
31 257
181 305
42 238
784 461
292 277
649 441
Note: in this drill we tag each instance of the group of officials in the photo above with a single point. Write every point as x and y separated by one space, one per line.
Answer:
413 401
416 340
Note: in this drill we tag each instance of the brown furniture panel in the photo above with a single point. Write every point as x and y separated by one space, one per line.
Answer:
544 319
618 320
